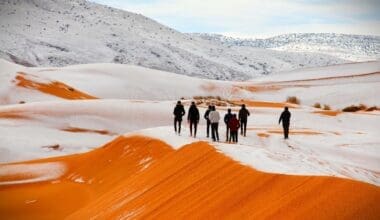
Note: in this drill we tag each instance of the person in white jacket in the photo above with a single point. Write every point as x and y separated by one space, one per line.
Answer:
214 118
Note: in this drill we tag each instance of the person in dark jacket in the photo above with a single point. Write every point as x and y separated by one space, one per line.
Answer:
193 118
234 125
227 118
285 119
243 118
208 120
179 112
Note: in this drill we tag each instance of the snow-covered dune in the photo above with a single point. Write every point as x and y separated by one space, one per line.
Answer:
111 81
111 126
338 86
330 147
137 177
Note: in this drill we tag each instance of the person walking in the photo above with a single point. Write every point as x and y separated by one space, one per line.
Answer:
178 112
243 118
208 120
193 118
285 119
214 120
234 125
227 118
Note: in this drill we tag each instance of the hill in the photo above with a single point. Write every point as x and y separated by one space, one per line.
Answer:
60 33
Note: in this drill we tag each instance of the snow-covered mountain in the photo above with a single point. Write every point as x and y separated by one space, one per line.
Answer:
344 46
59 33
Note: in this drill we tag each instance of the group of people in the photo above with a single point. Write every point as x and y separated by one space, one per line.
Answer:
212 117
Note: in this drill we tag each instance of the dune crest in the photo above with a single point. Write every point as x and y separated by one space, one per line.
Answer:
141 177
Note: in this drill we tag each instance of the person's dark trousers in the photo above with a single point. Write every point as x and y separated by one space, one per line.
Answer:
234 136
208 128
176 120
243 127
286 130
227 133
214 131
193 123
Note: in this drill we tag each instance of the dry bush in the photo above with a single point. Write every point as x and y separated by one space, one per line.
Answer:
355 108
326 107
373 108
363 107
293 100
219 103
352 108
198 102
317 105
211 100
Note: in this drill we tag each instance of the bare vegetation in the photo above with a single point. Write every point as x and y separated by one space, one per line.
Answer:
373 108
326 107
212 100
361 107
293 100
317 105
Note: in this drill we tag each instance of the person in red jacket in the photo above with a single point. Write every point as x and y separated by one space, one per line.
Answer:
234 125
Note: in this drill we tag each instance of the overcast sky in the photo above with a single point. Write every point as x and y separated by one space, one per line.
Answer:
259 18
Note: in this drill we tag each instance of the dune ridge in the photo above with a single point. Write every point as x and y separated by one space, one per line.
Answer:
141 177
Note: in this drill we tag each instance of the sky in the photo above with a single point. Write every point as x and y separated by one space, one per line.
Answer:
259 18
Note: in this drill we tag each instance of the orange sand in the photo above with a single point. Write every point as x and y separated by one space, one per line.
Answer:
260 88
54 88
263 135
328 113
75 129
264 104
193 182
295 132
336 77
13 115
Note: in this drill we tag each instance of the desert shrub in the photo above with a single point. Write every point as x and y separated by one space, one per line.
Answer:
317 105
220 103
293 100
355 108
373 108
197 97
352 108
326 107
362 107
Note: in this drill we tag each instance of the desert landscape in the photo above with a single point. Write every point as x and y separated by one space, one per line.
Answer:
112 153
87 93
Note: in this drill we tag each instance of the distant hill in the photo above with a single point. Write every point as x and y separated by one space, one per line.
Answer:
344 46
60 33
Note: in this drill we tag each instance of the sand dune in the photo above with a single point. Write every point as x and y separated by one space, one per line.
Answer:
55 88
265 104
136 176
140 177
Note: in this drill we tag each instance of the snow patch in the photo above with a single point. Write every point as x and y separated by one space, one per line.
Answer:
30 173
